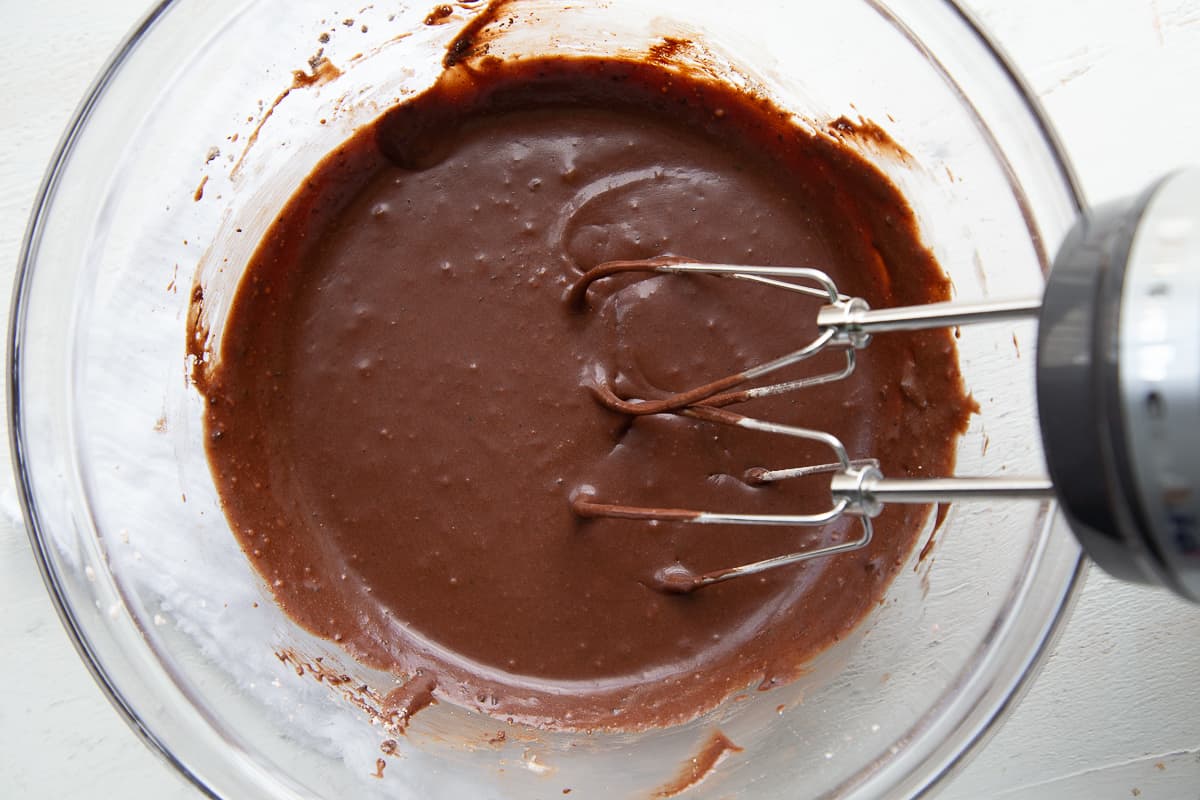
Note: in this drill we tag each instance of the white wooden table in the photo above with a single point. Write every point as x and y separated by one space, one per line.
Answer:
1115 712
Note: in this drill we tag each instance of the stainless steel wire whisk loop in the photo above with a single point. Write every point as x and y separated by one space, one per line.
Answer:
854 470
719 392
844 322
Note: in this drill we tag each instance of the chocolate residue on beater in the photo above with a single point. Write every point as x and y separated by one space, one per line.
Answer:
401 405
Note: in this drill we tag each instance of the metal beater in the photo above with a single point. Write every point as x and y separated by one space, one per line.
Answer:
1117 379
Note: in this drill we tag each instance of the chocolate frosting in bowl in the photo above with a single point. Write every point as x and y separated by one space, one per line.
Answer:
402 406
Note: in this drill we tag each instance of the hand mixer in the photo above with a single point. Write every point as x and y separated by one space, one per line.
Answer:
1117 380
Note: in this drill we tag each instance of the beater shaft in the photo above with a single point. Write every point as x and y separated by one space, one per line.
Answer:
850 319
867 494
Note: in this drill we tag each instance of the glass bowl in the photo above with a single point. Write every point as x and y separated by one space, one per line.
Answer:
190 142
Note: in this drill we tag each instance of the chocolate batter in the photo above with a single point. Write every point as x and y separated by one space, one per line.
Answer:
402 404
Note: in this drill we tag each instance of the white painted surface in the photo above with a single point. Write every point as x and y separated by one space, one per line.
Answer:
1115 712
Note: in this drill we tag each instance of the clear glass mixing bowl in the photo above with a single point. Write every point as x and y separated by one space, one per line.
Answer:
191 141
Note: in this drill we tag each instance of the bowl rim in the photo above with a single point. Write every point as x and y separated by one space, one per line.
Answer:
16 440
985 724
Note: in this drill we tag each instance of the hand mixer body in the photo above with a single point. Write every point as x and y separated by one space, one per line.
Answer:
1118 384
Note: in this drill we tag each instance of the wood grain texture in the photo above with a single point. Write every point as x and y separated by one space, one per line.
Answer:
1113 711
